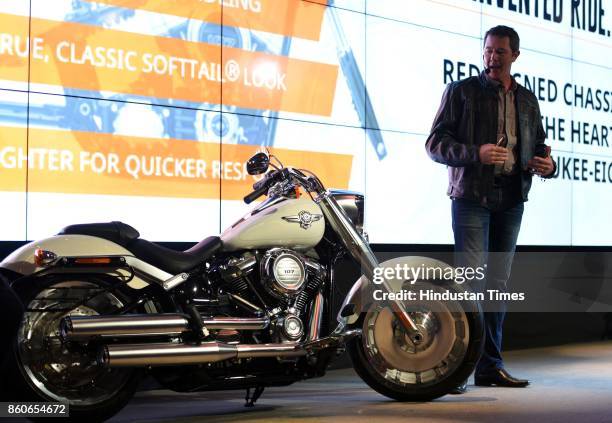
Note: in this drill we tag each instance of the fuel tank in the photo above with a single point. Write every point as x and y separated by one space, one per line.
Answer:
293 223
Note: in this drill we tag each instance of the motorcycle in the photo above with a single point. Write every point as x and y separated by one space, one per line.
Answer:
273 300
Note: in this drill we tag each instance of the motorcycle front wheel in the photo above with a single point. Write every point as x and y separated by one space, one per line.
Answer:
394 366
45 368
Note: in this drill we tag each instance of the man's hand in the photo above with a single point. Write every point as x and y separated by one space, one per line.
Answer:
492 154
541 166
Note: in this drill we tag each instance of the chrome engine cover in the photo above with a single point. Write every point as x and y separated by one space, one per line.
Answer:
283 273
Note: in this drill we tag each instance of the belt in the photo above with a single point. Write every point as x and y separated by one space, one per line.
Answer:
504 181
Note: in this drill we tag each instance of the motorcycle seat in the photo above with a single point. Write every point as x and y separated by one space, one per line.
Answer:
167 259
117 232
173 261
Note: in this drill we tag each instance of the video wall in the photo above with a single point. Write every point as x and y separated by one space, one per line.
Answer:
146 111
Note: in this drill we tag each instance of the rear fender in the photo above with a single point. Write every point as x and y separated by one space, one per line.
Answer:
22 260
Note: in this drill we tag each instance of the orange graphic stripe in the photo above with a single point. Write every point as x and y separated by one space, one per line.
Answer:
12 141
93 58
297 18
13 45
316 82
96 163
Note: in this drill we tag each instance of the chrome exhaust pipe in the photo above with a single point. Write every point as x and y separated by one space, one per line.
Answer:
236 323
139 355
269 350
81 328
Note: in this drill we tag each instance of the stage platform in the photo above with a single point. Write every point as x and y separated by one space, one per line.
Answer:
570 383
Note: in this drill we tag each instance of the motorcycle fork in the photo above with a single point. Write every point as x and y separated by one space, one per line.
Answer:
360 250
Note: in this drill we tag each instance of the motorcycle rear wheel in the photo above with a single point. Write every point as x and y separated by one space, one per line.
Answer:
46 369
384 357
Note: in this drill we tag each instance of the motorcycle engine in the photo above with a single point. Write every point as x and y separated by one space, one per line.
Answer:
284 280
283 273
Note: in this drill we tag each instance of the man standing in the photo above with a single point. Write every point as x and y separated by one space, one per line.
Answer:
488 131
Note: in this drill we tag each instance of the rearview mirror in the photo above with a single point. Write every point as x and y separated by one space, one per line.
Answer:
258 164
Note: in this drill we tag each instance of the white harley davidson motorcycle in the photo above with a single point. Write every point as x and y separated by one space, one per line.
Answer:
272 300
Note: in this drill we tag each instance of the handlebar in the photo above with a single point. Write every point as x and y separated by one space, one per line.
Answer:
249 198
265 181
262 186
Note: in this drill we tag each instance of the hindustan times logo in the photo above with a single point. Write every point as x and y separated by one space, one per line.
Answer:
413 273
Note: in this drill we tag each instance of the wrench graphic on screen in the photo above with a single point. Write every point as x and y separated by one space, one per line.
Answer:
79 112
357 87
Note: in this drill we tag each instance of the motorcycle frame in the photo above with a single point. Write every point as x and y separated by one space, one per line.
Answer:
23 261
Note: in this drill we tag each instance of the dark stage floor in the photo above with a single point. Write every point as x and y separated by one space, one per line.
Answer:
570 384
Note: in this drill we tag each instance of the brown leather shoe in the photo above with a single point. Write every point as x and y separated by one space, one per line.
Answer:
499 377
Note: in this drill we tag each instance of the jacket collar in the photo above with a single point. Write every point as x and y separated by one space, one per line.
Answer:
491 83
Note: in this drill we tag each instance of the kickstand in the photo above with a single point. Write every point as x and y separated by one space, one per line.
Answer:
250 400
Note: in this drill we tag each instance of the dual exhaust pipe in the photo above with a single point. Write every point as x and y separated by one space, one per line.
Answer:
169 354
85 328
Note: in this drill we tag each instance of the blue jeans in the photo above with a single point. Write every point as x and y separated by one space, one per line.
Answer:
478 231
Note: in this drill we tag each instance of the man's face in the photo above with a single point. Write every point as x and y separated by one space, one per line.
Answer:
498 56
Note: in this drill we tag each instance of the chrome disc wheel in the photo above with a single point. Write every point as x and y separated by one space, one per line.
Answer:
60 371
441 349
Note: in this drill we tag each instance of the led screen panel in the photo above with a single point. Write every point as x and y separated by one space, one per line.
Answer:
146 112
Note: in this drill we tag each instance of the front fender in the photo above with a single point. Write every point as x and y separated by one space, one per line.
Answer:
360 301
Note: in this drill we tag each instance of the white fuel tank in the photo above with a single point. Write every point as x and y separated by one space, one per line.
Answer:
292 223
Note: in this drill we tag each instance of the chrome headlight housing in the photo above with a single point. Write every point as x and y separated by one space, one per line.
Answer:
353 204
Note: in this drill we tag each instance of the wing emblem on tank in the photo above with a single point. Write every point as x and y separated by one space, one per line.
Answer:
304 218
